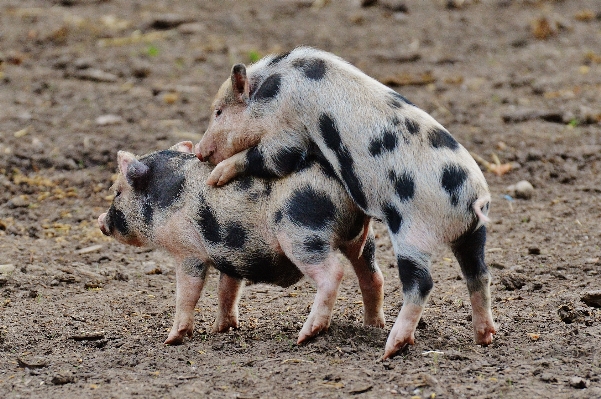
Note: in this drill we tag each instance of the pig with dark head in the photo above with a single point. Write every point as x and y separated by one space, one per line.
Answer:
261 230
396 162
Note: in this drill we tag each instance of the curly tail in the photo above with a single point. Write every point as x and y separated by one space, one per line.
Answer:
481 206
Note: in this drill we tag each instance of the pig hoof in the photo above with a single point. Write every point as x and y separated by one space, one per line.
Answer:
224 326
311 330
177 334
377 321
395 345
484 336
174 340
223 173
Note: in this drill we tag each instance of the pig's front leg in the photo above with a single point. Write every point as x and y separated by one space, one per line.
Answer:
267 159
230 289
190 277
228 169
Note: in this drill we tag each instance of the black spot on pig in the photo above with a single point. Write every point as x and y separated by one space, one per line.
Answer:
393 218
207 221
224 265
278 58
310 208
369 253
332 139
414 275
411 126
235 235
404 185
315 243
277 217
387 142
288 159
314 69
147 212
315 250
453 177
269 89
469 251
397 101
350 179
256 163
244 183
323 163
440 138
330 133
263 267
165 178
116 221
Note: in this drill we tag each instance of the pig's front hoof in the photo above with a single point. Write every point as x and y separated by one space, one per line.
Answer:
396 344
177 334
223 173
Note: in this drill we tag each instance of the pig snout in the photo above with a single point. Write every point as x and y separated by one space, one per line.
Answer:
102 224
203 152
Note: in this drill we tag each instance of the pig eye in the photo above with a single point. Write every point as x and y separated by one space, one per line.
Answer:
118 193
218 112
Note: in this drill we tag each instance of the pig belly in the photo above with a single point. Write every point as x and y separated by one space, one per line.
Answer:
261 268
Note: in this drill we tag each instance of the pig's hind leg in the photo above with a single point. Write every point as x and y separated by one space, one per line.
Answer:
316 259
414 272
362 255
469 251
230 289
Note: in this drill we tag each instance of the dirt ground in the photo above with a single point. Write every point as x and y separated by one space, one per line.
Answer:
516 82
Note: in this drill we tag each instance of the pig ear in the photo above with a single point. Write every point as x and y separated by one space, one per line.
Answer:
240 85
130 167
184 146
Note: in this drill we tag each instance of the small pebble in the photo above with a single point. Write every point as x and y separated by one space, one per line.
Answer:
578 383
548 377
522 189
104 120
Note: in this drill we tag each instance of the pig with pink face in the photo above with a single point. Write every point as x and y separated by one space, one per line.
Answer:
261 230
395 161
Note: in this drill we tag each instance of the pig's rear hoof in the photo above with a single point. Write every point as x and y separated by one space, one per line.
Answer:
310 332
396 343
176 336
177 340
224 325
485 337
378 321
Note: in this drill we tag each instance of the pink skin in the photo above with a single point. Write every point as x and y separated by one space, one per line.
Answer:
327 277
371 282
227 169
484 326
101 224
188 289
403 331
230 290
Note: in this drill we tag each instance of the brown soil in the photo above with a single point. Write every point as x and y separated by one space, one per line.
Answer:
81 316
